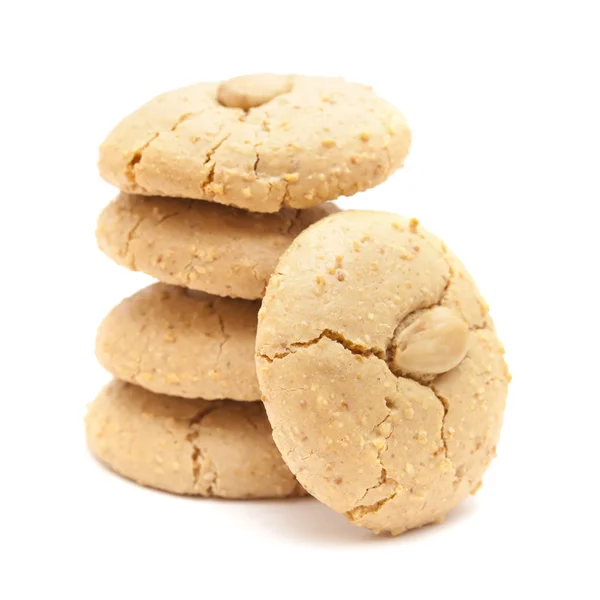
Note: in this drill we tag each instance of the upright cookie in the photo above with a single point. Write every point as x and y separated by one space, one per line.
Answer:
175 341
258 142
184 446
200 245
382 374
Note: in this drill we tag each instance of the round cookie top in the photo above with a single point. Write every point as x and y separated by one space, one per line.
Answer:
186 446
200 245
258 142
183 343
382 375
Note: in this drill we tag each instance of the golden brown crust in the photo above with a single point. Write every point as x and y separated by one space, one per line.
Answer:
320 139
200 245
170 342
391 450
185 446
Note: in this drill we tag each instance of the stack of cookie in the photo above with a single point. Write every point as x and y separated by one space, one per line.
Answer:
216 182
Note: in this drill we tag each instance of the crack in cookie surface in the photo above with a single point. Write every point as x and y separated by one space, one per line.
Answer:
382 444
130 168
199 461
334 336
358 350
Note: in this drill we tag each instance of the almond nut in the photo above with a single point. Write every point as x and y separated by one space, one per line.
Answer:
434 343
249 91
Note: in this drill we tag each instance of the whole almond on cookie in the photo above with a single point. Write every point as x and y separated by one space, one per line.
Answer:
249 91
434 343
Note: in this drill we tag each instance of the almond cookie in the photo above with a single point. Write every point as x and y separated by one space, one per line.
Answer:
382 374
187 446
258 142
200 245
183 343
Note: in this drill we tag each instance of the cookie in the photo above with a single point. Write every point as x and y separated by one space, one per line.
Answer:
200 245
258 142
174 341
187 446
382 374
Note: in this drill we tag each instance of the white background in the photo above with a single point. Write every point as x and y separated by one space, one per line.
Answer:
503 101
